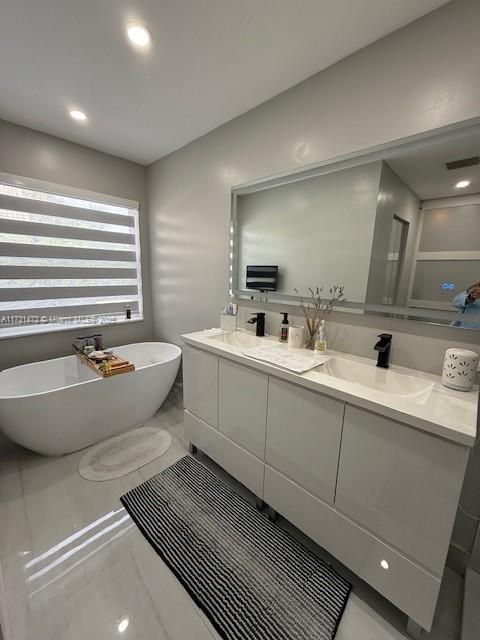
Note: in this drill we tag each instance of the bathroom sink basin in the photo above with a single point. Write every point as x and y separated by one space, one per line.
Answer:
242 339
383 380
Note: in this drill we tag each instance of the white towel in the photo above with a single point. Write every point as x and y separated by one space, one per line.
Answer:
297 361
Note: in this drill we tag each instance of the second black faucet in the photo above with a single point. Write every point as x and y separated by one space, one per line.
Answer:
383 347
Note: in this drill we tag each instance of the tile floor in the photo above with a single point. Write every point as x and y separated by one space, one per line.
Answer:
74 566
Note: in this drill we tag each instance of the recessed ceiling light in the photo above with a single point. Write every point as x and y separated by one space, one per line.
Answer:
77 115
462 184
139 35
123 624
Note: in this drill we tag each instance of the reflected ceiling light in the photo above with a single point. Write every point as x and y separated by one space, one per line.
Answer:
138 35
77 115
462 184
123 624
384 564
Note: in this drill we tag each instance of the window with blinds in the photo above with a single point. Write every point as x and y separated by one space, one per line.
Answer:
66 262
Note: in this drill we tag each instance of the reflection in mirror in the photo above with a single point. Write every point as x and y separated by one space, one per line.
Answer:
308 229
396 253
399 229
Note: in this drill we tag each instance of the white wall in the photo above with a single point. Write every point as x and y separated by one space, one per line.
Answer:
37 155
406 83
314 230
419 78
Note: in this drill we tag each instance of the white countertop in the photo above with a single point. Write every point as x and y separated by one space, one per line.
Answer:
443 412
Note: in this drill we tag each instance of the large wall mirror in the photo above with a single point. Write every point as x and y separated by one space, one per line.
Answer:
398 227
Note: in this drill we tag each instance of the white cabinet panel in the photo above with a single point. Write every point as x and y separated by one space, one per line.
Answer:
409 587
242 409
200 384
238 462
378 495
401 484
304 430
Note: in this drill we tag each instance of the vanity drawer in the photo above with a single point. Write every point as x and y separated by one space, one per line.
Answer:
401 484
242 406
304 430
238 462
409 587
200 384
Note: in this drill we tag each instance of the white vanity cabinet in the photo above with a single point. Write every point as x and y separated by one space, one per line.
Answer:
401 484
379 494
200 384
228 425
242 465
242 406
304 430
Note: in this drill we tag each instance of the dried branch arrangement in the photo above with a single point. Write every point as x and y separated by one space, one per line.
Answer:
315 308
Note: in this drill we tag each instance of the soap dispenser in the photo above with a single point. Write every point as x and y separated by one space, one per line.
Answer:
283 337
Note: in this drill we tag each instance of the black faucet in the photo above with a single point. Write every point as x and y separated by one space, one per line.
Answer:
383 347
259 320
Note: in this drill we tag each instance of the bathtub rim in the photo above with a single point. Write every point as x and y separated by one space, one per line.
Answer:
177 354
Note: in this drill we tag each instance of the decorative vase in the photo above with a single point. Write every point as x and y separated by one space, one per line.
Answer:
460 369
311 333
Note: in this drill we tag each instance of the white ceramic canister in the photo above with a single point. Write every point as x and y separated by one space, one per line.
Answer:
460 369
228 323
295 336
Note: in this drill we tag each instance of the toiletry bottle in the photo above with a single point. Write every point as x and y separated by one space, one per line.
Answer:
284 328
128 312
321 339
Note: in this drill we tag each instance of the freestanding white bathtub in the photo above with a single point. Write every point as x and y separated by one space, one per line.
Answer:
61 405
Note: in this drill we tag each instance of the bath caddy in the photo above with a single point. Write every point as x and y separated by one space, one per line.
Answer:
118 365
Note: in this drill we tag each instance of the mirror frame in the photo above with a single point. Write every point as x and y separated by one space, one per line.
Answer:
379 152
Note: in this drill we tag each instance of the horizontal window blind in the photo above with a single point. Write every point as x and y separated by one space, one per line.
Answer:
66 262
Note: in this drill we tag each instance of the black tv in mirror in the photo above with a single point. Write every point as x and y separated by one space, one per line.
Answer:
262 278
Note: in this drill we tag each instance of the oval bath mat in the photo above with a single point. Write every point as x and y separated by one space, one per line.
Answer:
125 453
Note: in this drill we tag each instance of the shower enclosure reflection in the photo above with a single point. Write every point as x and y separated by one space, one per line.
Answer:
396 254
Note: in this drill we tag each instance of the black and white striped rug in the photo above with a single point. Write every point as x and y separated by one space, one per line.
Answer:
252 579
